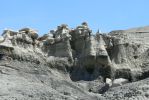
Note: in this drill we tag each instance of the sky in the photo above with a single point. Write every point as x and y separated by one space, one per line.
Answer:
45 15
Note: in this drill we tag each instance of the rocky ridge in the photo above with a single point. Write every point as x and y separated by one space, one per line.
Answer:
73 64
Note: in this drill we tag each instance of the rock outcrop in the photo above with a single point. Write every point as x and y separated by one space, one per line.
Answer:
71 64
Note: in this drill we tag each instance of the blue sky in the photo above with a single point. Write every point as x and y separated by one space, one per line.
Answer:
45 15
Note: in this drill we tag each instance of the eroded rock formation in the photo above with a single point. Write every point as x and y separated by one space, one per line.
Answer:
73 64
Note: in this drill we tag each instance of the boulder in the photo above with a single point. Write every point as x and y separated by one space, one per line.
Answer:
109 81
119 82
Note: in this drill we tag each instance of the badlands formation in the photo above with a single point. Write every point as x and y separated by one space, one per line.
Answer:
74 64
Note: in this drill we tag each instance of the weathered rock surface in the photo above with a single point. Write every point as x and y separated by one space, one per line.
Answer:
74 64
131 91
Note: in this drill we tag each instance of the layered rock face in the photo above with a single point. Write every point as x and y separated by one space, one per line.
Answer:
70 64
130 53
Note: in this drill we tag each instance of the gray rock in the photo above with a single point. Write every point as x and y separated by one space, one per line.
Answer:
119 82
